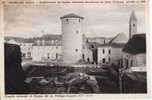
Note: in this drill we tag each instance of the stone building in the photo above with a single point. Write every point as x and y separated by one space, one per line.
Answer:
25 46
116 45
47 48
72 42
134 52
104 54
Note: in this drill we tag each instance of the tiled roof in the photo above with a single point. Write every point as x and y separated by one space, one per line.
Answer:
71 15
50 37
136 45
20 40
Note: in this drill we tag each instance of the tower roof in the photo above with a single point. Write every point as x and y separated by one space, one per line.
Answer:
133 16
71 15
136 45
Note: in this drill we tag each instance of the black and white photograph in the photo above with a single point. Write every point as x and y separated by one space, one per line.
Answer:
75 49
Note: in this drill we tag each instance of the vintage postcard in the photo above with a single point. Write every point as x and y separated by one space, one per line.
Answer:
72 49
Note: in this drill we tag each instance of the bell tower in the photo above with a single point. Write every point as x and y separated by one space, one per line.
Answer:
132 25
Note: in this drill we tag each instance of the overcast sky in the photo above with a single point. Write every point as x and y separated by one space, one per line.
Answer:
30 21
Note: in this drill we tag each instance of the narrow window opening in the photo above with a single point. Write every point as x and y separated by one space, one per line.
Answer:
77 31
103 51
109 51
83 56
103 60
109 59
76 50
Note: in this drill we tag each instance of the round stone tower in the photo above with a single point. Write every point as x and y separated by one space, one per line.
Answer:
72 38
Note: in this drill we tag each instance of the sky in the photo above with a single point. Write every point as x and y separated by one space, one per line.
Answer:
105 21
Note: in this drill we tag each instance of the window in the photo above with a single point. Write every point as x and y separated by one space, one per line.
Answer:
23 55
83 56
109 51
88 59
103 60
56 55
29 54
103 51
56 47
48 55
131 62
109 59
67 20
76 50
77 31
104 41
79 20
92 46
133 25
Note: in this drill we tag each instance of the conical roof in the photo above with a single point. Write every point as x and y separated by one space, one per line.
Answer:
71 15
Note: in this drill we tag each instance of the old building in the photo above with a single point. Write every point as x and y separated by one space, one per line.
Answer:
47 48
104 54
72 38
117 44
87 53
26 49
134 52
25 45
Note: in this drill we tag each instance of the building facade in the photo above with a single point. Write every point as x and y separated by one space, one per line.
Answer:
134 52
47 48
104 54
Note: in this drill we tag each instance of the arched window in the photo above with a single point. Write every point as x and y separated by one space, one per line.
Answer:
109 51
103 51
103 60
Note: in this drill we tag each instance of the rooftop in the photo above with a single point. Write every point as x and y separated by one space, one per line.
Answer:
71 15
136 45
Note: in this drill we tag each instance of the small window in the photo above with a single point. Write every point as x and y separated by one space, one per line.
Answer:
67 20
76 50
109 51
92 46
77 31
103 51
109 59
29 54
48 55
88 59
103 60
23 55
133 25
83 56
56 55
79 20
131 62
